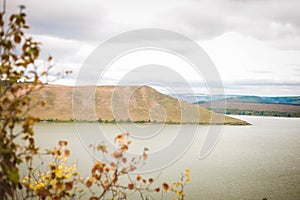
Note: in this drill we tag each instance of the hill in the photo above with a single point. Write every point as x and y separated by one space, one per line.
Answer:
289 100
256 105
285 100
121 103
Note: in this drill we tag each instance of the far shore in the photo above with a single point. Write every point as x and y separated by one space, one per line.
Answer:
139 122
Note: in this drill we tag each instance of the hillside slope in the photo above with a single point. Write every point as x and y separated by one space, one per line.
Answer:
122 103
237 107
288 100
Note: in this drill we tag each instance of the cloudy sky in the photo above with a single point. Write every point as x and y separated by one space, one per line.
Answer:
255 44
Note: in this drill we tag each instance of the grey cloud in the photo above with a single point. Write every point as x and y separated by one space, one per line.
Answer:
275 21
77 20
255 82
296 69
260 71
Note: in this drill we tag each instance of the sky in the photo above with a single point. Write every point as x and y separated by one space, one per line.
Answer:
254 44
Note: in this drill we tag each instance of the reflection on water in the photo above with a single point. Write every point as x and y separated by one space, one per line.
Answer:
249 162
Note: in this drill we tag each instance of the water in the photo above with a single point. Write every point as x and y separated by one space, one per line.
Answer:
249 162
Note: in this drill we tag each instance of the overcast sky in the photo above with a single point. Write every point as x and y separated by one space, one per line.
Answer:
255 44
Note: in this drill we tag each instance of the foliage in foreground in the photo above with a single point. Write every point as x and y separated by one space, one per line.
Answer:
18 67
110 178
20 76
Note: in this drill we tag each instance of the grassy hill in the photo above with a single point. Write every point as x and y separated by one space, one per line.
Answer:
259 106
284 100
122 103
292 100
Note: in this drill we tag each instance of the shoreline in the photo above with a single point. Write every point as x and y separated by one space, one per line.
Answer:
143 123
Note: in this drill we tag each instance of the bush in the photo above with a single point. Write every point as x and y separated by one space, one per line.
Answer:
19 78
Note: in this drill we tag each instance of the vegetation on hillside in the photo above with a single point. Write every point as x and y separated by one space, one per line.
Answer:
229 111
284 100
290 100
258 106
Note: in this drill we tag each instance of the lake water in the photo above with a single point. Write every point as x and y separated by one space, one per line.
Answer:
249 162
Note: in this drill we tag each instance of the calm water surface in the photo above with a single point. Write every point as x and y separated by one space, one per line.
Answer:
249 162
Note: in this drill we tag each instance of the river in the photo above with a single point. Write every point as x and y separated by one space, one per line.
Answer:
249 162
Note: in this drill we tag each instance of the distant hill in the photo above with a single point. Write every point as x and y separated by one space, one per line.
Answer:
130 103
200 98
287 100
267 100
288 106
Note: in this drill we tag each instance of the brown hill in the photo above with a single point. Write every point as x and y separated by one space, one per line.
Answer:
260 109
121 103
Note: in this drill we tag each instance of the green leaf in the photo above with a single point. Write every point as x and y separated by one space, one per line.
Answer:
13 174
